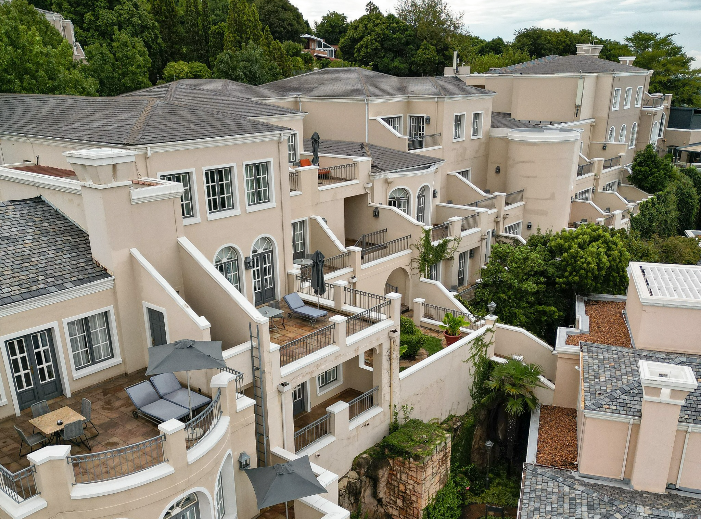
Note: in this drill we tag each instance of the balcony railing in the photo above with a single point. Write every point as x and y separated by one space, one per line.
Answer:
337 174
238 381
367 318
363 403
294 181
338 262
119 462
585 169
371 238
612 162
306 345
469 222
485 203
389 288
437 313
197 428
440 231
360 299
382 250
303 285
514 197
609 220
653 102
19 485
312 432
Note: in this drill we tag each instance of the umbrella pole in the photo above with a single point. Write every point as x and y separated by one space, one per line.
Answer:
189 395
286 516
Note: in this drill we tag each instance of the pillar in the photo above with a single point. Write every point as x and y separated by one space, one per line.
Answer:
174 448
339 333
418 310
54 476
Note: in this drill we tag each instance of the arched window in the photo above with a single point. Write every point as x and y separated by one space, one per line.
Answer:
186 508
262 244
633 135
225 491
421 205
611 134
655 132
399 198
227 262
263 271
622 134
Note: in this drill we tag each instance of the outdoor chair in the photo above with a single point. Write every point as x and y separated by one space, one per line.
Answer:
40 409
149 405
32 440
169 388
305 163
73 432
298 308
86 411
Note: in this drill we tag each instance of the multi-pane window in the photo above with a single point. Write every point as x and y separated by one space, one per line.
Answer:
90 340
622 134
299 242
327 377
462 268
616 99
219 506
459 127
219 189
394 122
633 135
292 148
417 127
626 98
584 195
639 96
476 125
421 205
433 272
186 204
655 132
611 134
513 228
610 186
399 198
663 119
257 183
466 174
227 262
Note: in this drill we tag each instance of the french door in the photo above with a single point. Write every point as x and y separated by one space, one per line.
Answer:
421 205
263 277
157 327
299 399
462 269
299 242
34 368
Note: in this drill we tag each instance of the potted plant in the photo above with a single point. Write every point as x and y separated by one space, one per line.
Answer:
451 327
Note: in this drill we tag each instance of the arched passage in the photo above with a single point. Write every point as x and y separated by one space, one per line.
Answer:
398 281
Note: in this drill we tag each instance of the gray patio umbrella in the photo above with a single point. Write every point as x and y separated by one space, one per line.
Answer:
284 482
315 148
318 284
185 355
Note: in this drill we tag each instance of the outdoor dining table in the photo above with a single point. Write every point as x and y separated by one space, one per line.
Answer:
48 423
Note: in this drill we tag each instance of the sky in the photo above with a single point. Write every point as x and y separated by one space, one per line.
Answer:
608 19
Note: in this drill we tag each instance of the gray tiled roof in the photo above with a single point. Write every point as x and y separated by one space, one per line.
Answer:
611 382
117 120
42 252
359 82
566 64
504 120
383 159
554 493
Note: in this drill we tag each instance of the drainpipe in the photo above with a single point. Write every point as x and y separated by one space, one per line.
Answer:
625 453
367 115
681 464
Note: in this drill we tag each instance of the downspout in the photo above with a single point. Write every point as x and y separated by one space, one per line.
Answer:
148 156
284 424
367 120
625 453
681 464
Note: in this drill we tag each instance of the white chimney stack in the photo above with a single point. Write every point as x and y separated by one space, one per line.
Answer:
588 49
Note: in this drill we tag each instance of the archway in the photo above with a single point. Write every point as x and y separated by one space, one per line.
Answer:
398 281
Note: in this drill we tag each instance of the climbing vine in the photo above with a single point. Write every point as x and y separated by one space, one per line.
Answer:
430 254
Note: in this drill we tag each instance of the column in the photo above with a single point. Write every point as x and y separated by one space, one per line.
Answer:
455 226
339 333
54 476
174 448
288 423
418 310
338 423
339 293
355 259
500 203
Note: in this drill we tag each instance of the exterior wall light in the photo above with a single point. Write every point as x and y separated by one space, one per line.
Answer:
427 120
244 461
248 263
435 193
376 212
529 225
497 170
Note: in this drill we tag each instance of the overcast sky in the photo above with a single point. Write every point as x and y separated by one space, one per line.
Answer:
608 19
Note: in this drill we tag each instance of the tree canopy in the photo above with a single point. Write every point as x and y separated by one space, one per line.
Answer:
283 19
332 27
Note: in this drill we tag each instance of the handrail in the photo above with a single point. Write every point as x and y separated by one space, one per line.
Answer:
332 264
303 285
238 381
362 403
119 462
294 180
18 485
389 288
487 203
609 220
307 344
312 432
365 319
440 231
653 102
385 249
514 197
469 222
197 428
361 299
585 169
371 238
335 174
612 162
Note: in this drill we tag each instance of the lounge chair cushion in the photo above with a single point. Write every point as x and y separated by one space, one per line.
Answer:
168 386
293 301
142 394
311 312
146 400
165 383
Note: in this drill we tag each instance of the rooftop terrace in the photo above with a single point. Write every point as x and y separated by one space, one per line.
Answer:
606 324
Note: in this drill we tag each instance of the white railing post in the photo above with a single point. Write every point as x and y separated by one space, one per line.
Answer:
174 448
54 476
455 228
500 204
338 294
339 332
338 419
355 261
418 310
395 306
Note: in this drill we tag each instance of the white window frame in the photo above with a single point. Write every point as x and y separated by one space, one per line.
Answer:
294 136
242 270
461 128
585 195
236 210
437 267
626 97
229 486
516 226
480 126
408 198
622 134
271 186
633 135
195 218
306 233
116 352
60 360
147 322
654 132
638 97
320 390
467 177
616 99
399 127
611 135
423 126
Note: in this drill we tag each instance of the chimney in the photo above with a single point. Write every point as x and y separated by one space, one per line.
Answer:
103 166
588 49
665 388
626 60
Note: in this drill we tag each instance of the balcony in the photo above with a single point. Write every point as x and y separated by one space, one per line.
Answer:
513 198
585 169
485 203
612 162
440 231
374 245
427 141
653 102
337 174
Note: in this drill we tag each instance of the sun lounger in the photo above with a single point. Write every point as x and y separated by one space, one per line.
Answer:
168 388
151 406
298 308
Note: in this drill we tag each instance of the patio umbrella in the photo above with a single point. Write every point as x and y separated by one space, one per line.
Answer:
284 482
318 284
315 148
185 355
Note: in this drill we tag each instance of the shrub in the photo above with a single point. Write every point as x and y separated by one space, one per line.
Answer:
407 326
410 345
413 440
447 503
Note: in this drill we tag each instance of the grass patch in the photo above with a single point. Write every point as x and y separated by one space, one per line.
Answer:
414 440
432 345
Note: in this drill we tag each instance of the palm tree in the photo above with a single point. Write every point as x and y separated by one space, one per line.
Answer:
512 385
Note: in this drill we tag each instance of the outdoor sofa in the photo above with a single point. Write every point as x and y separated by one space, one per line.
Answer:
298 308
168 388
149 405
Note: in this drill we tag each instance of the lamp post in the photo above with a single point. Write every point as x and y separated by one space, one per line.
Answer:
491 307
489 445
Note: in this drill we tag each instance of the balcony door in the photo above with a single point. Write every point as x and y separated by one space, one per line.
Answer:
263 271
299 240
462 268
34 368
421 205
299 399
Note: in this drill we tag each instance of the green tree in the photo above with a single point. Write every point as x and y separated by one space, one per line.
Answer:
332 27
168 19
678 250
650 172
242 25
425 60
657 217
673 72
34 58
539 42
694 175
249 65
276 52
510 56
434 22
687 203
284 19
120 65
183 70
